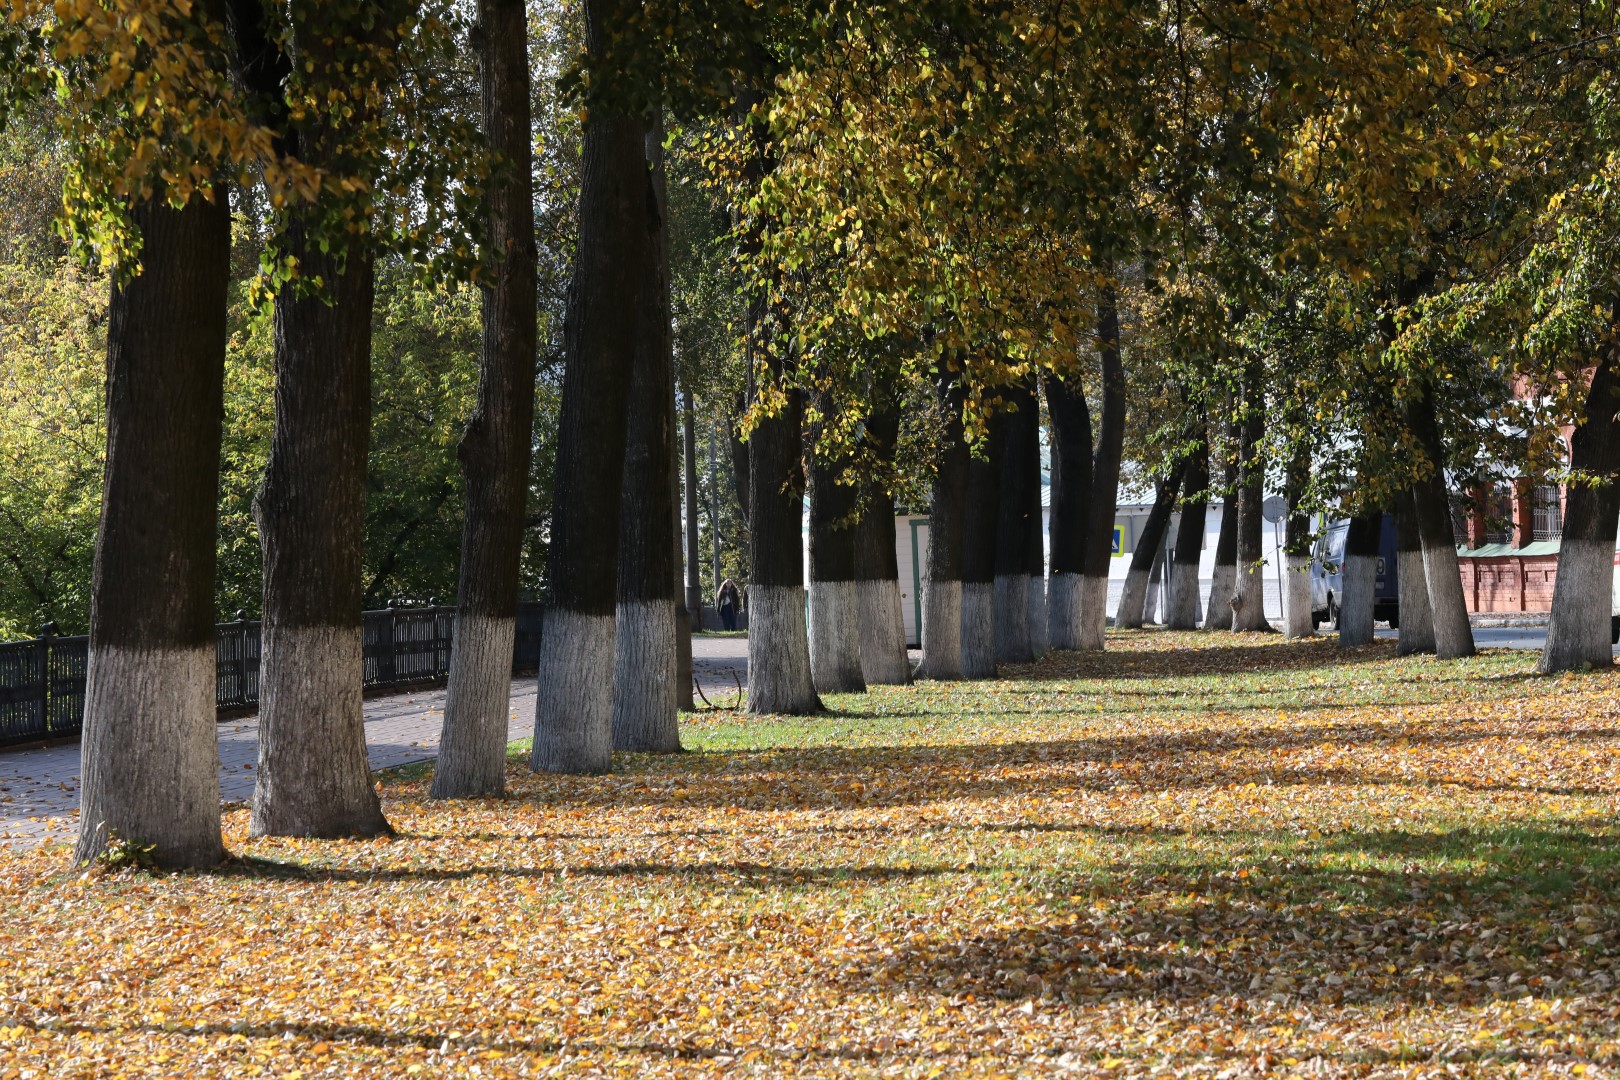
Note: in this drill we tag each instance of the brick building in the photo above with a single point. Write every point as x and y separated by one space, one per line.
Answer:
1507 545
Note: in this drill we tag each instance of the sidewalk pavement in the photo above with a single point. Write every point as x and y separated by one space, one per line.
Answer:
39 789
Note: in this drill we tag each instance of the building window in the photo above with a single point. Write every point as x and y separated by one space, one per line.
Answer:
1459 521
1549 513
1498 515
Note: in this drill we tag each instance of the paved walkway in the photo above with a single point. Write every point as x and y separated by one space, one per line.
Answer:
39 789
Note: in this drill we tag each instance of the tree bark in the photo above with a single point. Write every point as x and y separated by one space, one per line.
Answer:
1218 609
694 578
573 724
646 658
835 626
1034 538
1416 621
877 565
981 527
496 446
1182 613
149 750
683 615
1011 585
1249 591
941 630
1071 498
1104 477
1297 547
1360 575
313 776
1453 634
1133 600
1150 605
1578 635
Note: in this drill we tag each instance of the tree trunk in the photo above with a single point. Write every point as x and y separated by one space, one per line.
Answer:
1133 600
1453 634
1360 576
496 447
1578 635
1104 477
646 658
683 614
149 751
1034 534
1150 605
1011 583
573 722
1297 546
1182 607
1249 591
877 566
979 532
1416 621
779 675
1071 498
313 776
1218 609
694 578
835 628
941 631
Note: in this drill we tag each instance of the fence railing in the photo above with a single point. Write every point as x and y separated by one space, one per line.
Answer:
42 681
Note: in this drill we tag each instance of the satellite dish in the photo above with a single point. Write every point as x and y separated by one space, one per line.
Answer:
1274 509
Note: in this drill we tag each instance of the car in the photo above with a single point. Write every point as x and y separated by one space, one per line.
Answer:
1327 575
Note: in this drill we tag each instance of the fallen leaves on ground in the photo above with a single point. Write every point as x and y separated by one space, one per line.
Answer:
1208 855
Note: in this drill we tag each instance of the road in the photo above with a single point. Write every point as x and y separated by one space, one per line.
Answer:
39 789
1504 637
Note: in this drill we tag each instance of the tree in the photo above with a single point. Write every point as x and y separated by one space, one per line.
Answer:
835 627
1183 606
941 630
1133 600
981 529
646 661
573 730
1019 474
1104 474
877 566
1248 599
151 764
1071 502
497 441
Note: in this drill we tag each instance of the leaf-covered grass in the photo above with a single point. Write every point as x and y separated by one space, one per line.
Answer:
1198 854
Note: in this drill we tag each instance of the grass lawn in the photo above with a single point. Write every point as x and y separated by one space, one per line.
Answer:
1210 854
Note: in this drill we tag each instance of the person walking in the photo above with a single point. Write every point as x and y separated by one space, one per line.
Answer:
728 600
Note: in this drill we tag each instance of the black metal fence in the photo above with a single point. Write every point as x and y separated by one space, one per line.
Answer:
42 681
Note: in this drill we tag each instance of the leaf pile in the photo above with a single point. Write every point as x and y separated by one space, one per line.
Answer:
1222 857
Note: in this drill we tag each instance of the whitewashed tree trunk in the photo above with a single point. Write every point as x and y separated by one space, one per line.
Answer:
574 719
646 662
1093 611
1012 619
1063 611
779 679
1448 607
149 751
1150 603
1360 579
477 705
978 630
1412 587
1182 610
835 638
941 631
1218 608
1132 609
1297 597
1578 635
882 633
1036 592
151 772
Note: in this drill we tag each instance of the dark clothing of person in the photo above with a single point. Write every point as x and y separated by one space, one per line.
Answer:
728 600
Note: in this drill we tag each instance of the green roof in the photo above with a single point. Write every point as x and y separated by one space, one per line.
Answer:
1499 551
